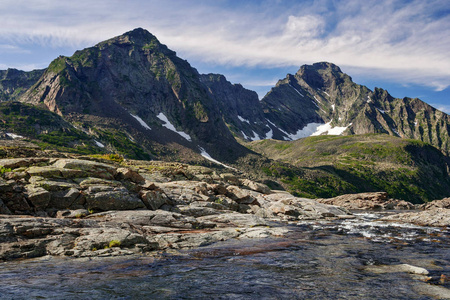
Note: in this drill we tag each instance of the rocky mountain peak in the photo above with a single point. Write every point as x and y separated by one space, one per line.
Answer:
322 75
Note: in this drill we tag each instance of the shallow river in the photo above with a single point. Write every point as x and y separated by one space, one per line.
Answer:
319 260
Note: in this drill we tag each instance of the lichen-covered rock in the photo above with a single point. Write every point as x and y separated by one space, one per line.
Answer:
71 214
38 196
153 199
118 199
128 174
65 199
13 163
94 169
46 171
255 186
241 196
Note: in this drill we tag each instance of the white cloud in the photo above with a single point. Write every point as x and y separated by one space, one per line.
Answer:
441 107
404 41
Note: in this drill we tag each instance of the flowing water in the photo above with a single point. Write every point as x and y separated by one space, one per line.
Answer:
318 260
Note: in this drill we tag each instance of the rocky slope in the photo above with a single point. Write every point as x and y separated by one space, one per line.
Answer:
240 108
135 85
321 93
13 83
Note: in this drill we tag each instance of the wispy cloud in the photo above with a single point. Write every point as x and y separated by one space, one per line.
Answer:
406 41
441 107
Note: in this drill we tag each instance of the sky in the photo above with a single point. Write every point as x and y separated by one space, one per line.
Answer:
402 46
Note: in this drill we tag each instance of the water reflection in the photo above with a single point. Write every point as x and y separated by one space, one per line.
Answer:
325 260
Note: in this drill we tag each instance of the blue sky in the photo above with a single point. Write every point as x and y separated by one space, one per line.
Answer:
402 46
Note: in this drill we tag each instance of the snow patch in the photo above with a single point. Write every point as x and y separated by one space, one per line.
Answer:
99 144
368 99
141 122
255 137
380 110
326 128
296 90
170 126
287 134
208 157
306 131
14 136
243 120
333 106
327 94
415 123
245 136
269 135
395 131
317 99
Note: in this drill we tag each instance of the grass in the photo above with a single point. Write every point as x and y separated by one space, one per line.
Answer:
114 243
326 166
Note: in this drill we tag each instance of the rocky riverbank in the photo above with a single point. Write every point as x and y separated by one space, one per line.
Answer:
80 207
83 207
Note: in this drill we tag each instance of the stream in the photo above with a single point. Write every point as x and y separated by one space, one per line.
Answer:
317 260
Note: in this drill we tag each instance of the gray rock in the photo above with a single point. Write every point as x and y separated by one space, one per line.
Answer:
4 210
444 203
66 199
153 199
14 163
405 268
92 168
38 196
72 214
241 196
113 200
128 174
148 218
99 238
255 186
433 217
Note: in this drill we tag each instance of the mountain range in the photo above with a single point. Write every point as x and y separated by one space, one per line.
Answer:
134 96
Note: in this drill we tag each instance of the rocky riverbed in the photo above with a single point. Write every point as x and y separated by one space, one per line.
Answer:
81 207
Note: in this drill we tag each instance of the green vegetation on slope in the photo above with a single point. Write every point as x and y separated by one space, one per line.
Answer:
332 165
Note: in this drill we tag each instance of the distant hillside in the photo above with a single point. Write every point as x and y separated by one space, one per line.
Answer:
407 169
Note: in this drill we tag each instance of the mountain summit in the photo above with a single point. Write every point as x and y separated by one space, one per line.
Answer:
321 99
134 84
133 90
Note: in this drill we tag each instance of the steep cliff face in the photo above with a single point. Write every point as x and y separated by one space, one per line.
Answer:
13 83
135 83
321 99
239 107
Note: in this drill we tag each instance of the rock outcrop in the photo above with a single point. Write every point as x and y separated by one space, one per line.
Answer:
376 201
79 207
434 213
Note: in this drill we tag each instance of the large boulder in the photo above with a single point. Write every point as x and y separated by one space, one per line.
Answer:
92 168
117 199
38 196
